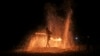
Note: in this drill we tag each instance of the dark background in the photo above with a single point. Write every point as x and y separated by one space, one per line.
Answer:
20 17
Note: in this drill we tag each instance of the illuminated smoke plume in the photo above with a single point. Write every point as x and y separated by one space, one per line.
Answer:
59 23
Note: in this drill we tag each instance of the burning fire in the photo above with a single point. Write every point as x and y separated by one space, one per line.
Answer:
40 40
56 39
61 37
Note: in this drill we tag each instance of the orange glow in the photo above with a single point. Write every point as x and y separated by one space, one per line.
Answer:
56 39
40 40
61 38
57 43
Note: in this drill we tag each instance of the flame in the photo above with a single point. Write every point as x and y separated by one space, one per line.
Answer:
61 38
40 40
56 39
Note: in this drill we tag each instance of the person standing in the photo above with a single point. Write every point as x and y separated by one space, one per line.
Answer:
48 32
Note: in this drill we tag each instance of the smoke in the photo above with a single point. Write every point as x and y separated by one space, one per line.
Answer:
59 23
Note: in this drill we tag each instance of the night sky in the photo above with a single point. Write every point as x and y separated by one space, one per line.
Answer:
20 17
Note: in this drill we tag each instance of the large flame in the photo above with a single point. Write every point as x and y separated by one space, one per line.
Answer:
61 38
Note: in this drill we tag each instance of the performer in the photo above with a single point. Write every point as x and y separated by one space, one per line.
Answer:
48 36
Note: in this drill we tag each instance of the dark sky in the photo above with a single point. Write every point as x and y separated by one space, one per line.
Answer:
19 17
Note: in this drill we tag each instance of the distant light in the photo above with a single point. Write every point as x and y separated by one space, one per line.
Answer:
76 38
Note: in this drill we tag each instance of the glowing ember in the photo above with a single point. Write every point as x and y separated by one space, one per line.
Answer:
57 37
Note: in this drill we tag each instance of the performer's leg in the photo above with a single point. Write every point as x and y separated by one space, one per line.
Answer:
47 45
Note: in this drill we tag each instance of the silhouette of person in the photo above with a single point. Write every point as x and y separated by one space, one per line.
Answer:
48 36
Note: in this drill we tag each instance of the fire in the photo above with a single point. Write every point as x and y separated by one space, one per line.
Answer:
40 40
58 36
56 39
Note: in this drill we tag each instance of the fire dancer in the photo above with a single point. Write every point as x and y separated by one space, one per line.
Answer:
48 36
